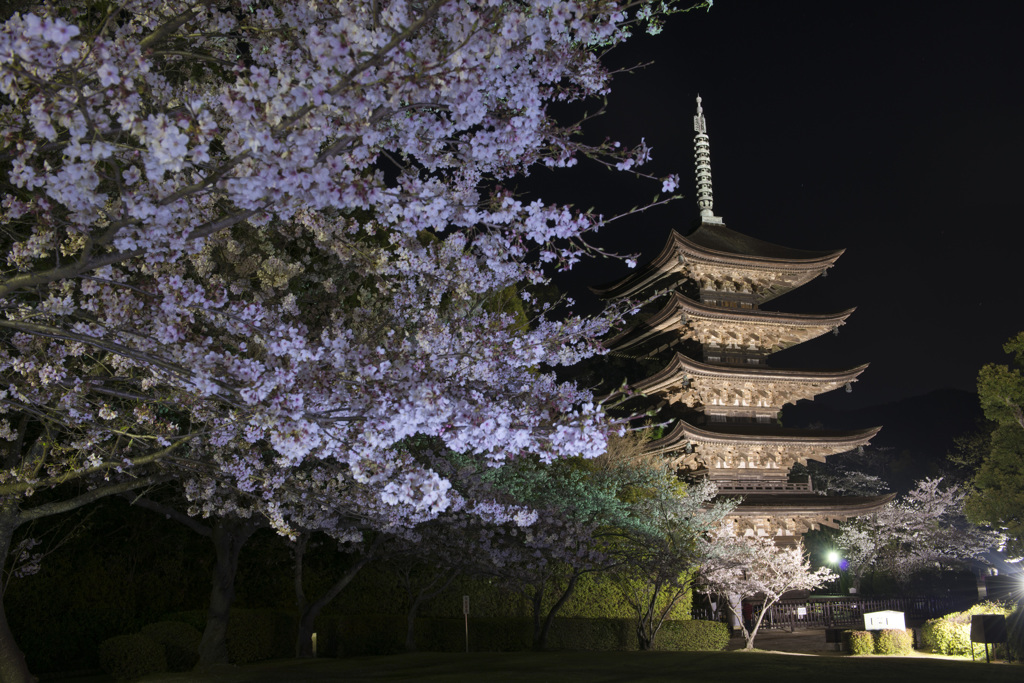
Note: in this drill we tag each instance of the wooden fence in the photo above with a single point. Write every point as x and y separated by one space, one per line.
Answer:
846 612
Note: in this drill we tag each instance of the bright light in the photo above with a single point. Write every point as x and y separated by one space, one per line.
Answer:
833 557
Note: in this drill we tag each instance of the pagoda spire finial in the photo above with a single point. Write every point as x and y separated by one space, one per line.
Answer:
702 154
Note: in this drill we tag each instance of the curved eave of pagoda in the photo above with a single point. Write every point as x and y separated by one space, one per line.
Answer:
666 261
672 375
708 244
810 504
683 434
674 314
714 241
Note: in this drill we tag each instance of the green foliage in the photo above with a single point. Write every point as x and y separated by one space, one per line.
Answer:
951 634
1001 388
999 500
693 634
195 618
253 634
597 596
1015 632
860 642
180 641
592 634
258 634
377 589
894 641
946 638
382 635
970 450
131 656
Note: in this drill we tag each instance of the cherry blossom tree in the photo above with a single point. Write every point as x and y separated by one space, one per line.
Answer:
925 529
268 231
657 564
754 566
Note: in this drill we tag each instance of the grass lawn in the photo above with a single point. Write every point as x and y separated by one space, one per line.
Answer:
624 667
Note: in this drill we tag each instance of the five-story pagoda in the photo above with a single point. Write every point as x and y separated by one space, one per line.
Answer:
707 289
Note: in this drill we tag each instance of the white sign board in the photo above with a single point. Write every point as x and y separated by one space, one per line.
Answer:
876 621
465 604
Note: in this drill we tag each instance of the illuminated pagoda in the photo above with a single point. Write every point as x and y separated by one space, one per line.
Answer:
713 341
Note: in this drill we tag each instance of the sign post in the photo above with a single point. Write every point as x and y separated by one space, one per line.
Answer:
465 613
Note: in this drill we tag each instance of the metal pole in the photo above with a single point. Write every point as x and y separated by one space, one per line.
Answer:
465 612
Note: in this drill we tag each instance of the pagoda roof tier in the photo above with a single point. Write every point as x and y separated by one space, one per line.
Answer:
737 388
721 259
788 517
735 452
770 331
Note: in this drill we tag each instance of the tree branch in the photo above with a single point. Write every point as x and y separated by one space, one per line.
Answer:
58 507
171 513
22 486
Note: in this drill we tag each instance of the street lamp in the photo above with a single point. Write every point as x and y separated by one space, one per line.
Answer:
835 560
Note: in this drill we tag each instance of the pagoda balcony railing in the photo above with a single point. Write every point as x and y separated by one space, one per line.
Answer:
753 486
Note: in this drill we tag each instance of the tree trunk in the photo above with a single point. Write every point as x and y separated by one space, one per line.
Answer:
765 606
540 641
537 601
643 642
753 631
229 535
13 668
645 622
300 592
410 625
304 639
435 586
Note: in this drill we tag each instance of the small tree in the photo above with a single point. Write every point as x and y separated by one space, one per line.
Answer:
754 566
583 508
657 563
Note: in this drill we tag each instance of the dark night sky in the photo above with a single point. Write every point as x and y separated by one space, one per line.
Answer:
893 130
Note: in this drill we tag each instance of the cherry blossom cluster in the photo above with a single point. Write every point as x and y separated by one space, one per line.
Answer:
262 245
924 529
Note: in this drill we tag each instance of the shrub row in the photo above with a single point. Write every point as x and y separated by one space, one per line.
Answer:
159 647
366 635
951 634
890 641
173 644
131 656
255 635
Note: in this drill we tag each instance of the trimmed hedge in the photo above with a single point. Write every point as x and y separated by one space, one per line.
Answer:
596 596
180 641
382 634
692 635
1015 632
894 641
253 634
591 634
131 656
951 634
258 634
860 642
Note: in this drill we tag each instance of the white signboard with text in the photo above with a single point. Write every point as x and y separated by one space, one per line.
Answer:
876 621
